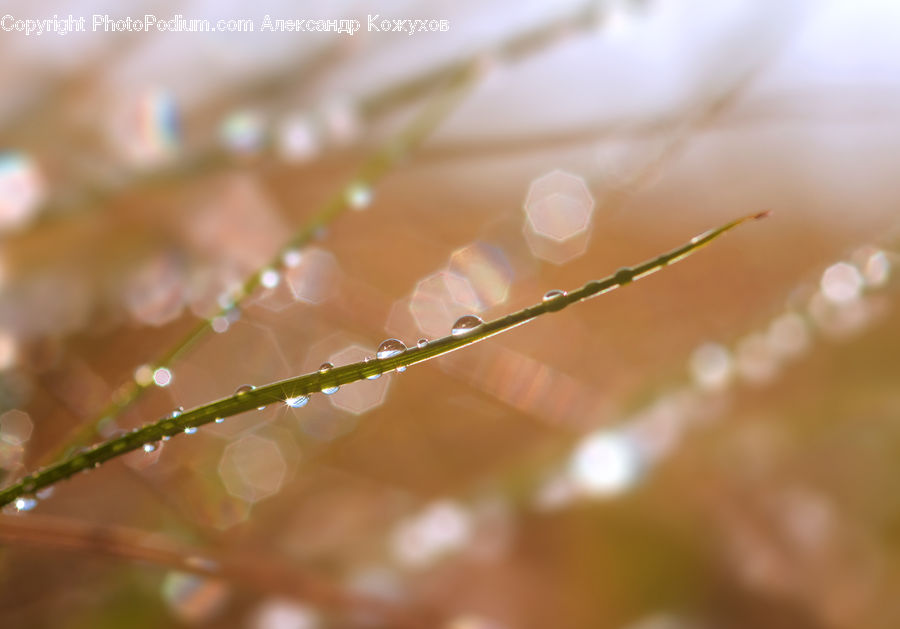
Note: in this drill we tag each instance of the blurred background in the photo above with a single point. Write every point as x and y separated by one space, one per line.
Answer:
714 447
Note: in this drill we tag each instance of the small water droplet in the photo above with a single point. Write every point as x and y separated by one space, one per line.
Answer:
375 376
165 438
298 401
550 295
330 390
465 325
177 412
25 503
219 420
151 446
244 389
421 343
190 430
261 408
553 299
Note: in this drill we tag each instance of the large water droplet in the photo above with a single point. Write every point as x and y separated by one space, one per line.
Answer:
298 401
390 347
465 325
375 376
25 503
244 389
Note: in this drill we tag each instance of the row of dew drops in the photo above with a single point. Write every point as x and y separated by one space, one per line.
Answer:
389 348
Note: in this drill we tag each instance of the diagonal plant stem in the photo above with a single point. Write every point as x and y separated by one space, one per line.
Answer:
296 391
449 79
373 169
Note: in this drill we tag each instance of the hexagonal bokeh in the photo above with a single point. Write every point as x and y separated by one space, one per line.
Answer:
558 213
440 299
358 397
15 427
252 468
155 292
487 270
314 278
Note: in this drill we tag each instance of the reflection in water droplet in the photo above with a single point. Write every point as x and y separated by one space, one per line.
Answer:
368 360
243 389
25 503
466 324
297 402
390 347
550 295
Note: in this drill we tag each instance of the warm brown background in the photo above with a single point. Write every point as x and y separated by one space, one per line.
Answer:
767 502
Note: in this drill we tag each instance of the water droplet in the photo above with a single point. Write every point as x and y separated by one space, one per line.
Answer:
151 446
375 376
465 325
24 503
261 408
244 389
390 347
325 368
421 343
219 420
297 402
550 295
165 438
554 300
190 430
177 412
